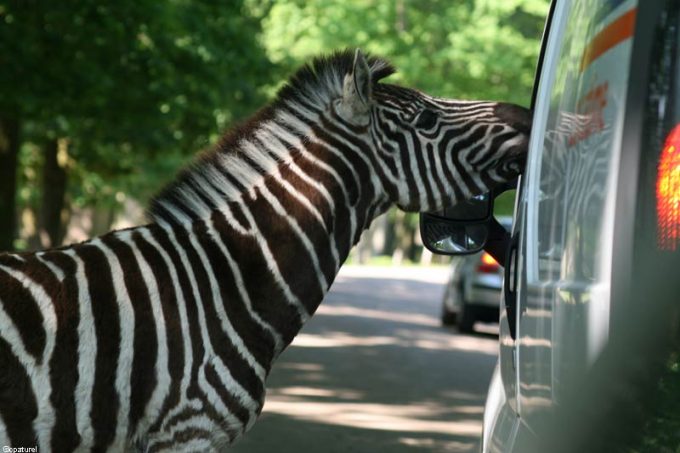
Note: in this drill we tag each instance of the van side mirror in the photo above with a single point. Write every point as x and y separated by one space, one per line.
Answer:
459 230
468 227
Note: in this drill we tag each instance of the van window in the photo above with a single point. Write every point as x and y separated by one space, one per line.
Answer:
577 168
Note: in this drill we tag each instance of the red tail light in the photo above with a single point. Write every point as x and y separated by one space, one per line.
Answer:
668 193
487 264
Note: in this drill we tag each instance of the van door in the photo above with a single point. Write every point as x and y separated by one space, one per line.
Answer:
567 208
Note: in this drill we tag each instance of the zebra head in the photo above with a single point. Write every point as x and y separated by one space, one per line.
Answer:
432 152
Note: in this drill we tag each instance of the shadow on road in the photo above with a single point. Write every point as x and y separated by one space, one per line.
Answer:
374 371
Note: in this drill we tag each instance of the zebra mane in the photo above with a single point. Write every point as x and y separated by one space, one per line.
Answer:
314 84
322 78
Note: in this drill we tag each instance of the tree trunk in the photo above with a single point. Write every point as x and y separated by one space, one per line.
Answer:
372 241
402 237
426 257
52 213
9 152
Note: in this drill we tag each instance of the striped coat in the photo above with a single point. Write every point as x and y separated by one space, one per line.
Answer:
160 337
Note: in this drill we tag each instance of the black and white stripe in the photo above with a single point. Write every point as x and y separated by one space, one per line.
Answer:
160 337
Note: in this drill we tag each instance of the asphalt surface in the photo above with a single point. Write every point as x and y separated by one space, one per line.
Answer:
374 371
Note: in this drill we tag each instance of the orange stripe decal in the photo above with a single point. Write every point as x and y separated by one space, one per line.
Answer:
612 35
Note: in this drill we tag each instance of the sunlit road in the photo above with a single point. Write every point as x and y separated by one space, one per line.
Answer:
374 371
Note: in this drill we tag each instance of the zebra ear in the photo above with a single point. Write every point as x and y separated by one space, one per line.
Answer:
356 91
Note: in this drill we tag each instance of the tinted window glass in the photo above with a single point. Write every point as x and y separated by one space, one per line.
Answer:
578 166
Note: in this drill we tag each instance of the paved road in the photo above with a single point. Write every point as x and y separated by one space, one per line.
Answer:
373 371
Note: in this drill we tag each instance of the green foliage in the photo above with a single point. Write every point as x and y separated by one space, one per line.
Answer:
130 82
466 49
504 205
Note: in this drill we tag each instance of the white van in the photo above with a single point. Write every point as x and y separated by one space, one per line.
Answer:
591 268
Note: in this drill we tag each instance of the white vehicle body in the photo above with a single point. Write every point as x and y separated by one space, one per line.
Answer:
575 199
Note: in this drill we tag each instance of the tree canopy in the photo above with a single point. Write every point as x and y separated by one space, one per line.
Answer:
481 49
132 87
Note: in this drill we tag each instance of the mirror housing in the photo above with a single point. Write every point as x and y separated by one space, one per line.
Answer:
467 227
446 236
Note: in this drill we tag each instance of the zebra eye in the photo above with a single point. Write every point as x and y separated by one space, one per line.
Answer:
426 120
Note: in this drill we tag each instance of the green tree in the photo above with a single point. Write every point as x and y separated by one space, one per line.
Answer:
122 84
479 49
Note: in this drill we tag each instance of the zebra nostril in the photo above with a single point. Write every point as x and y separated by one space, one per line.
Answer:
516 164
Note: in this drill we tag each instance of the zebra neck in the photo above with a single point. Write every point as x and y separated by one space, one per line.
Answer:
287 196
277 226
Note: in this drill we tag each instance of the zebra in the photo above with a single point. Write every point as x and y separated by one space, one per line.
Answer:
160 337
